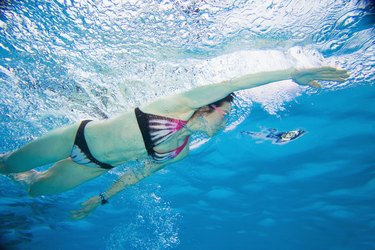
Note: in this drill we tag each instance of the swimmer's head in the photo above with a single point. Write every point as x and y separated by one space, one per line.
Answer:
215 105
213 116
291 135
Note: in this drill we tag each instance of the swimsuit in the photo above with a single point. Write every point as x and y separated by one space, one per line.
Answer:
157 129
81 153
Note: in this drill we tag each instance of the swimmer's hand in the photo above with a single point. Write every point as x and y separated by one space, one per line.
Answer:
309 76
86 208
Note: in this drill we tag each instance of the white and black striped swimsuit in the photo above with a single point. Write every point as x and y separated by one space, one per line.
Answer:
157 129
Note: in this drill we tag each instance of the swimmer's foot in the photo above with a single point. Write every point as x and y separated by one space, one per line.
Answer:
25 178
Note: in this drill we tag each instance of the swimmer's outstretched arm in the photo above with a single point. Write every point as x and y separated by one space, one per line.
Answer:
129 178
205 95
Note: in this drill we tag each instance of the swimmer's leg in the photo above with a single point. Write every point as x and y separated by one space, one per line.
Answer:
248 133
64 175
52 147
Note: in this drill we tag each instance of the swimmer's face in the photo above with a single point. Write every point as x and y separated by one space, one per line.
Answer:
216 119
291 135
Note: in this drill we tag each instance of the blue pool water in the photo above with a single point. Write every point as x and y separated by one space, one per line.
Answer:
62 61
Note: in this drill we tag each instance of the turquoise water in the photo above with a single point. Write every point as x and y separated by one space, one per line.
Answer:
62 61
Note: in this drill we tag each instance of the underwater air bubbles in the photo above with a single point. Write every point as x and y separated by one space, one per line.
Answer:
128 53
323 35
153 226
349 19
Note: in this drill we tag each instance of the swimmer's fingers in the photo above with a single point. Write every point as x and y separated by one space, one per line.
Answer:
338 75
77 215
330 73
332 70
87 207
309 76
80 214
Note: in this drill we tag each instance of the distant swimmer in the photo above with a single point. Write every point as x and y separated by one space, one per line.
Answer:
155 134
278 137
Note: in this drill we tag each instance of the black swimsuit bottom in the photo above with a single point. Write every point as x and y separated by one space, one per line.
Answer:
81 153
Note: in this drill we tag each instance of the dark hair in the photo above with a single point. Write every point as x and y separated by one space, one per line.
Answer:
209 109
228 98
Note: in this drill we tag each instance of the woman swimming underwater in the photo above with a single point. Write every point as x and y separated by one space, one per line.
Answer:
159 131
